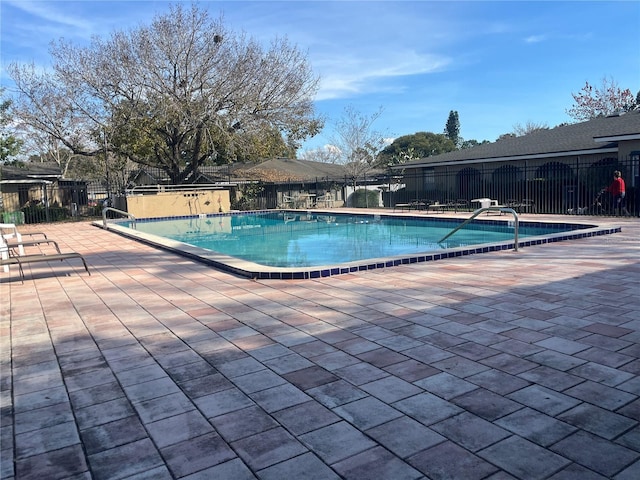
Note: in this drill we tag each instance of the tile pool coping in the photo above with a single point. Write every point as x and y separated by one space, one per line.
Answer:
256 271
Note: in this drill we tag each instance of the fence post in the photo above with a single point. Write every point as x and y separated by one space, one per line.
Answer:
46 203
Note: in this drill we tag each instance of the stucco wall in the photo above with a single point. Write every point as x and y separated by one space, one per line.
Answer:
171 204
625 148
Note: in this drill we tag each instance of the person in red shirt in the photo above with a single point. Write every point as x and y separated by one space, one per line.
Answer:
617 189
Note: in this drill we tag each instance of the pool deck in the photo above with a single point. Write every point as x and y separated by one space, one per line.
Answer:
493 366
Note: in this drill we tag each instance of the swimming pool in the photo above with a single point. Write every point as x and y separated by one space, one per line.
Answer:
305 244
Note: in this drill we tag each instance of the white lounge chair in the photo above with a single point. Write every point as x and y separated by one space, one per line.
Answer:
9 232
11 240
10 237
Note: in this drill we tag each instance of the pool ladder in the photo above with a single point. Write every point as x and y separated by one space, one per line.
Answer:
121 212
489 209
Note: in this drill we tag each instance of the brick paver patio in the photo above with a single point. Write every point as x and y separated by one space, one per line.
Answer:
503 365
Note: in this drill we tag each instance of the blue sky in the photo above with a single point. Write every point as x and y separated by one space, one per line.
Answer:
497 63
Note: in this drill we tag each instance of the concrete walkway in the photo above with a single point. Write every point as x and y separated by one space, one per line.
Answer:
503 365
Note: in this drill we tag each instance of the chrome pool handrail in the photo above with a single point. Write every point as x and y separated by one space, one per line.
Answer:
121 212
488 209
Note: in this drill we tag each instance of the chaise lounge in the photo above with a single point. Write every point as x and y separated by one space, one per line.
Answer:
8 248
11 240
9 233
21 260
412 205
526 205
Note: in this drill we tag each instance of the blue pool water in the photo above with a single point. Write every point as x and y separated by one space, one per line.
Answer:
302 239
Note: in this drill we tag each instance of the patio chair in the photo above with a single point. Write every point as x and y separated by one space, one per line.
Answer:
402 206
415 204
527 205
287 202
12 239
21 260
460 204
524 205
326 201
435 206
9 231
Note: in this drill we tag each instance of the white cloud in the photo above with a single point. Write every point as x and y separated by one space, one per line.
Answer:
43 12
535 38
344 76
331 148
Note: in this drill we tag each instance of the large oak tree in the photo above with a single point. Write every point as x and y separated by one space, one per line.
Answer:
179 93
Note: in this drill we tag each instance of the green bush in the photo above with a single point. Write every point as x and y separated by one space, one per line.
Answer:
248 198
38 214
95 211
365 198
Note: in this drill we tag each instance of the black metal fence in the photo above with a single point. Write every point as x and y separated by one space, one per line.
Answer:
48 202
554 188
550 188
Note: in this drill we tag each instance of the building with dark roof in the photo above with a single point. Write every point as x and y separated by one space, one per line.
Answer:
21 184
34 185
292 170
563 166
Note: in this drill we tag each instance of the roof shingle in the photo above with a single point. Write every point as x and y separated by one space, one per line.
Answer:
563 139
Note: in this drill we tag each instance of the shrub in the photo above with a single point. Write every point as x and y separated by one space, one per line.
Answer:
38 213
362 198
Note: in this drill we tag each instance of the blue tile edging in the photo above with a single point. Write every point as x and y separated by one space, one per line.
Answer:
249 270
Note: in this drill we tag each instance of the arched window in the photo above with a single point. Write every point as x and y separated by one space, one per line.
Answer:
508 183
600 174
469 182
555 187
555 171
